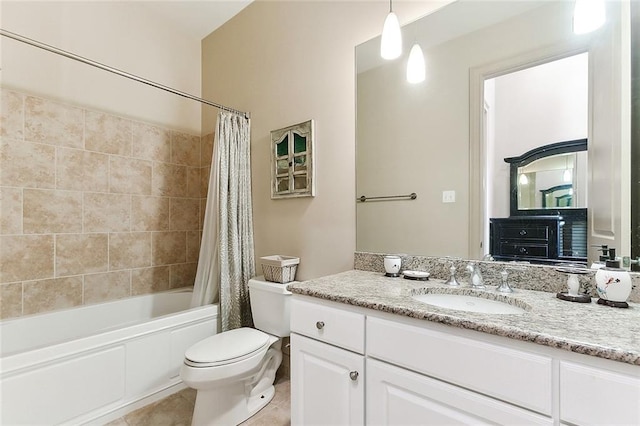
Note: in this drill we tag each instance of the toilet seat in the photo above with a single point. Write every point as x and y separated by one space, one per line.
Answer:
226 348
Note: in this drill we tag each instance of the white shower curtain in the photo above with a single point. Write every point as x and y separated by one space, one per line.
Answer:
227 261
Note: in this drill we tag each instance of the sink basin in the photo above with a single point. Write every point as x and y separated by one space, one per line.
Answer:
463 302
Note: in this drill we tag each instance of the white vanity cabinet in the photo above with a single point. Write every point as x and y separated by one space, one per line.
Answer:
420 372
327 365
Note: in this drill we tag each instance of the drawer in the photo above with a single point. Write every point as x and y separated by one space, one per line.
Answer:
514 376
596 396
328 324
508 248
396 396
524 232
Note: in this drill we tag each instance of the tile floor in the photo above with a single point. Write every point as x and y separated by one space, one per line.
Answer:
177 409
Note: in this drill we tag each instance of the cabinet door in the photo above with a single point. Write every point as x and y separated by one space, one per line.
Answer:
327 384
593 396
396 396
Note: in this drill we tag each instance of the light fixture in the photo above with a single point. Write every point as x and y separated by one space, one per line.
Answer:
588 15
524 180
566 176
391 43
415 66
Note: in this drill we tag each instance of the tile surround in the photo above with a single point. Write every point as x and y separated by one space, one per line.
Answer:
94 206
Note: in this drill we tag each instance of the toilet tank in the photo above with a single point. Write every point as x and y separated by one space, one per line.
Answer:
270 306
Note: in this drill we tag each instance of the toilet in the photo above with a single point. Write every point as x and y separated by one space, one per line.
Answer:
233 372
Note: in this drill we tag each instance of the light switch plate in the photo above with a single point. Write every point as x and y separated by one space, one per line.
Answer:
448 196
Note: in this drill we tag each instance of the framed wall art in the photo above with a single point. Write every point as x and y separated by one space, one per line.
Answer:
292 162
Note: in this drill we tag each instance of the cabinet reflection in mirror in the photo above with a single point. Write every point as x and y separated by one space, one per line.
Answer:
493 74
548 215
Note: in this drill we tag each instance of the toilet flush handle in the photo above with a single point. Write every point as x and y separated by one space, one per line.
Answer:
319 325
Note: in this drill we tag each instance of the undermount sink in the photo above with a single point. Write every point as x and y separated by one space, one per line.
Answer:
465 302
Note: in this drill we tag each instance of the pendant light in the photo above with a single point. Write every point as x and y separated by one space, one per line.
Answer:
523 180
415 66
588 15
391 43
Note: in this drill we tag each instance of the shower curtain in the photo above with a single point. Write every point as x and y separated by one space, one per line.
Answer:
227 261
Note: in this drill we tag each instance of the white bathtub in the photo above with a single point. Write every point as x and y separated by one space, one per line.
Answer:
95 363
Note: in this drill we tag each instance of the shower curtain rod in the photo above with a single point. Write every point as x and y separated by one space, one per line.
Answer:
104 67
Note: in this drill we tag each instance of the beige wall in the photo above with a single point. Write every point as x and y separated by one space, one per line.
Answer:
287 62
123 35
94 207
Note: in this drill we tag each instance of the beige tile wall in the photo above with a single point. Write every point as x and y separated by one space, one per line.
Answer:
93 206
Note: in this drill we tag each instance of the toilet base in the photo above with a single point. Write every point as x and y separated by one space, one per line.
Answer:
228 405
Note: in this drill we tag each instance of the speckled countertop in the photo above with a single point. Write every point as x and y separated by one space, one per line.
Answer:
586 328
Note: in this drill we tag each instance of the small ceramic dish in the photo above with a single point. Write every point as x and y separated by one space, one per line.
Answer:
416 275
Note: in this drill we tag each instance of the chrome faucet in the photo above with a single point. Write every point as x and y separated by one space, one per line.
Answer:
476 280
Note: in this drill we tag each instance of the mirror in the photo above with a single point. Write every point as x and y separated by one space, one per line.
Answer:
416 138
550 179
550 183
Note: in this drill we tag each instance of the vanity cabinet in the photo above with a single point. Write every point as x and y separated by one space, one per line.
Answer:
412 371
327 365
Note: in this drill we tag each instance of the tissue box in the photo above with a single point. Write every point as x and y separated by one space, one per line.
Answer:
279 269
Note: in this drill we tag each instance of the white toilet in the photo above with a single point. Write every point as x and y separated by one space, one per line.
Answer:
234 371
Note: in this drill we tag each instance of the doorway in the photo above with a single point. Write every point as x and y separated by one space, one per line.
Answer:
523 110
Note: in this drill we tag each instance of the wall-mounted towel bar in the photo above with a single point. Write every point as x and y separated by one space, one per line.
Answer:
411 196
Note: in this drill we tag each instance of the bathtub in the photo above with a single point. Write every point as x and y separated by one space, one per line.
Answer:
92 364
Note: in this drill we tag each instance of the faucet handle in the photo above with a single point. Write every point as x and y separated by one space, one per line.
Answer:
452 278
504 287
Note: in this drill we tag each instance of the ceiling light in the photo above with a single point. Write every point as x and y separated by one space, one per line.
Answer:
415 66
588 15
391 43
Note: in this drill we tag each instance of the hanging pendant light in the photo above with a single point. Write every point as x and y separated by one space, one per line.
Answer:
588 15
391 43
415 66
523 180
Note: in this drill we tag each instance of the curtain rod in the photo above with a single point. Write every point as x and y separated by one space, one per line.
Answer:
121 73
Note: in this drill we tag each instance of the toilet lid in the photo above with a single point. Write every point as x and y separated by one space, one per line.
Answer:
227 346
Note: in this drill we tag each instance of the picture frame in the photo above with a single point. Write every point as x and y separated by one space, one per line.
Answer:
292 161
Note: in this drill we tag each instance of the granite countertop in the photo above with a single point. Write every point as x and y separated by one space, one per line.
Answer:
586 328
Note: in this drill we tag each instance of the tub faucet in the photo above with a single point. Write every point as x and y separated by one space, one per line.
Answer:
476 280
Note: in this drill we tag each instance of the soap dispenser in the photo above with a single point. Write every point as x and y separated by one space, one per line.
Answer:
613 283
602 259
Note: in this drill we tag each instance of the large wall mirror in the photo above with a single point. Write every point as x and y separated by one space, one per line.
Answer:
432 138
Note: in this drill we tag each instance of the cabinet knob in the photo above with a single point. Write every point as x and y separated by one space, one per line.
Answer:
353 375
523 250
320 325
523 232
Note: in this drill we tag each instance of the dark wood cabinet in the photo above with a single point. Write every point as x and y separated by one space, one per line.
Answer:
538 239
